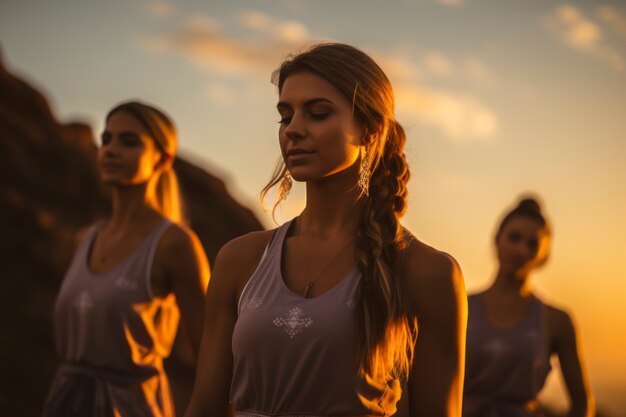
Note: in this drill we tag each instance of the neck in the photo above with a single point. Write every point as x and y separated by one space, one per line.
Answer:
132 205
512 283
332 205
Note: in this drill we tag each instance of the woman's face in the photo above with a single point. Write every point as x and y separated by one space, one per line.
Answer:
318 134
522 245
128 155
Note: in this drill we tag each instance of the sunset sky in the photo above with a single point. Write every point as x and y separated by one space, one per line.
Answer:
498 98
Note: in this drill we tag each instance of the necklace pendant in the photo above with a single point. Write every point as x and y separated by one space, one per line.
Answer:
307 289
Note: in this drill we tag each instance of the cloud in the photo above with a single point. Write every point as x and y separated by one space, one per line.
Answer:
614 17
478 72
221 94
450 3
208 47
398 68
288 32
158 8
438 64
583 35
204 43
461 118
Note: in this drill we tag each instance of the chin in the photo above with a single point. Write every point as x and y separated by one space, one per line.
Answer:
112 181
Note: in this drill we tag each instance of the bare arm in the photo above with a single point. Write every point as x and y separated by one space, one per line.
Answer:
437 296
567 347
187 275
234 264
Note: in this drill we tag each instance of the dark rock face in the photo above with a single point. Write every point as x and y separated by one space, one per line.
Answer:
49 189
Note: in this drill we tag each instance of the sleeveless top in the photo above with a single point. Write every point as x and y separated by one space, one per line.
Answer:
505 368
113 335
296 356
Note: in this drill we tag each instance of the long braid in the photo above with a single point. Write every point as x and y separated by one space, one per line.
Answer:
387 333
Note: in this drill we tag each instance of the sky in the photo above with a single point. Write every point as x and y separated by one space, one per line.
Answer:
498 98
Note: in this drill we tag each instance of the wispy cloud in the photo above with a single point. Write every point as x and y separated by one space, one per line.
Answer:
221 94
614 17
287 32
580 33
202 42
462 118
438 64
477 71
450 3
158 8
207 46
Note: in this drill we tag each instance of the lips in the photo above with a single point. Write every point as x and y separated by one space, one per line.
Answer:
299 151
109 166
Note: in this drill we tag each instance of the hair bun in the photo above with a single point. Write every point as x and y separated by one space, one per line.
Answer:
529 205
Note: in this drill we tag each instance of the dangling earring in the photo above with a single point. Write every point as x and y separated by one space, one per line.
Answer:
285 185
364 175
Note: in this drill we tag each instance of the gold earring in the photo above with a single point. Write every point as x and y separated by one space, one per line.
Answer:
364 175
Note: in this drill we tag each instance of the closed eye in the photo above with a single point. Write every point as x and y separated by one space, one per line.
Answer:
105 138
320 116
285 120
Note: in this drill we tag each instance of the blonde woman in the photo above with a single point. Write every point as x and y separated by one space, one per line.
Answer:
132 276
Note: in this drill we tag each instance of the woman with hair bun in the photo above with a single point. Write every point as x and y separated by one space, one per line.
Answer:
132 276
332 312
512 334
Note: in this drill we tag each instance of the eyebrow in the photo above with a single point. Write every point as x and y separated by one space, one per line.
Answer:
308 103
123 132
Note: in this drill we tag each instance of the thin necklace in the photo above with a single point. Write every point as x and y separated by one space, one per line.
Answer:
311 282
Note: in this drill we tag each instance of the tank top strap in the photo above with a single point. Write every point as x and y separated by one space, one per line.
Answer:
275 245
149 250
268 265
86 243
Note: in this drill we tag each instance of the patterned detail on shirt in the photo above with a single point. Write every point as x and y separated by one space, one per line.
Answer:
293 322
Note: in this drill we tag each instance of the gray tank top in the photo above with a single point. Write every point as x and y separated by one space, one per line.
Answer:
505 368
110 327
296 356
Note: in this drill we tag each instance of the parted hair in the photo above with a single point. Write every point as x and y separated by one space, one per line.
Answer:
163 131
386 333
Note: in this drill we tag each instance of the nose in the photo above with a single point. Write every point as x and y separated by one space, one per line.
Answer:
523 251
295 130
109 149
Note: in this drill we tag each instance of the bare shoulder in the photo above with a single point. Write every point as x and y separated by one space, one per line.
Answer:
430 276
560 323
237 260
178 236
245 249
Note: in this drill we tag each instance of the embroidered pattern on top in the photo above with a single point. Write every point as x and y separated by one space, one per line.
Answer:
125 283
252 303
497 347
293 322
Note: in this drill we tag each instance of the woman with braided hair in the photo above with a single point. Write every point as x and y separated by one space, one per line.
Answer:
332 312
512 334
